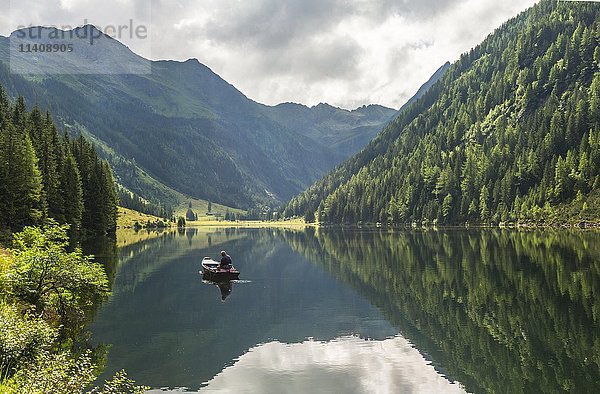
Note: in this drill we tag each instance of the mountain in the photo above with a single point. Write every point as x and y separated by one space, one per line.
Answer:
440 72
345 132
510 133
169 126
180 124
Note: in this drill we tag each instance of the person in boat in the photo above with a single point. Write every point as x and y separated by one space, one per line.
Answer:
226 262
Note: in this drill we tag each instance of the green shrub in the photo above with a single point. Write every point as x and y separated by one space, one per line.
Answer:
22 338
56 282
57 373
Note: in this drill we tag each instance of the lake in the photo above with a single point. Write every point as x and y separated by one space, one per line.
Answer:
357 311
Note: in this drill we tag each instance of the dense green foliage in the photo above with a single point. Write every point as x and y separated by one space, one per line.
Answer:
46 176
59 285
498 310
23 337
46 295
508 134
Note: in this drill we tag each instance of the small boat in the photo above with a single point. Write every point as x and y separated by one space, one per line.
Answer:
212 272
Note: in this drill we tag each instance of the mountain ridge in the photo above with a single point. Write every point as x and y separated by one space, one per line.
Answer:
344 131
439 73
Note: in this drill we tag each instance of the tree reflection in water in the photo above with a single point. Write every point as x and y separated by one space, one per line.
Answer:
498 310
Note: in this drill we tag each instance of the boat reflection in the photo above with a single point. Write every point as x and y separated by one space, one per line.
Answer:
226 288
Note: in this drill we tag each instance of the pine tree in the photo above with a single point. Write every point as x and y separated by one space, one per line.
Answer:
4 106
72 193
484 212
595 101
48 149
42 176
19 116
309 216
20 180
55 151
447 206
109 199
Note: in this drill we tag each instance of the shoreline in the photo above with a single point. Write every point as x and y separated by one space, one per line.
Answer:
300 224
524 226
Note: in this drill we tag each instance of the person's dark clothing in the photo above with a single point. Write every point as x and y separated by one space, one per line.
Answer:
225 262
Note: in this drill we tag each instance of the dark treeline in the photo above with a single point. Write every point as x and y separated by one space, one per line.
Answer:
510 134
45 175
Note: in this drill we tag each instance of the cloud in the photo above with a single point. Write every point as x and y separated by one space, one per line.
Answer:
421 9
273 24
324 58
344 52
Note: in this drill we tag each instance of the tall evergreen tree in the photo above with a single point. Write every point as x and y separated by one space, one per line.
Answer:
20 180
72 193
43 176
4 106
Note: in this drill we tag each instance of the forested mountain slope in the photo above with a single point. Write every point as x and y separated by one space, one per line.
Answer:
510 133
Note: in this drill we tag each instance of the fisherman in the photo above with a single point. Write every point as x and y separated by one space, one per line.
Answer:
226 263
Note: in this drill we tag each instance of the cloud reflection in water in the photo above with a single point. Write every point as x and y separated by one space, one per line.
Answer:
345 365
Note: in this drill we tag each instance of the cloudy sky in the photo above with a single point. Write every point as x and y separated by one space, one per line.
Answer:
344 52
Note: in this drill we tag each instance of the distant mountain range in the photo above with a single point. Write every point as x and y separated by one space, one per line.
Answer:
180 128
344 132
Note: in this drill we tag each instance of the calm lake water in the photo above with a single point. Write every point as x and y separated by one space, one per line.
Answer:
358 311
